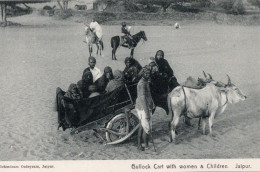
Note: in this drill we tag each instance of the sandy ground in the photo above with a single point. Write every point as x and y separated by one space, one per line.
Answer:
45 53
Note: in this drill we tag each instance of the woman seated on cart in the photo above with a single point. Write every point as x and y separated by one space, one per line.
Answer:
84 83
117 82
102 82
131 70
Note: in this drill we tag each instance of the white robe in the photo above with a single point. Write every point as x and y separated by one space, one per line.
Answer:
96 29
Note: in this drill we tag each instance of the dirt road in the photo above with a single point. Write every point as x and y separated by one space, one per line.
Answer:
45 53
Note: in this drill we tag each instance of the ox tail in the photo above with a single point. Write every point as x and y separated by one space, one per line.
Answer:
171 114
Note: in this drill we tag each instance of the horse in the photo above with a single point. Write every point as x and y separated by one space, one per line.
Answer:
115 43
91 38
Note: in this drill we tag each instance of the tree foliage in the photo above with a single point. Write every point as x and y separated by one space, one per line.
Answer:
63 4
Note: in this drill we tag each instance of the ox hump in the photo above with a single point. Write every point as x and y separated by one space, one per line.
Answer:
177 92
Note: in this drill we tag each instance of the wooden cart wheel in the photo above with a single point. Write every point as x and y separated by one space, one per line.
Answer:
118 124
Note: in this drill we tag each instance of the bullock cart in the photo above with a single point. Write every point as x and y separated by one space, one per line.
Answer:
108 115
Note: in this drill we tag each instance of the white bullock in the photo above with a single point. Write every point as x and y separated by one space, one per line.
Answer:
201 103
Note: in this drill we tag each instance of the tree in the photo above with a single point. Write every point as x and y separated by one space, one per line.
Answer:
63 4
4 3
3 12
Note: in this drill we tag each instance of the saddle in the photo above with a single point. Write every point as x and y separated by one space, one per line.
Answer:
192 83
126 41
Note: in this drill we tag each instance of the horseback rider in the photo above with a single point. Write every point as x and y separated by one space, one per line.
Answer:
127 37
96 28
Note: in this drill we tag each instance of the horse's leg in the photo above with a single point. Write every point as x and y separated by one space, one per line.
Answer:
89 50
97 48
112 46
100 49
132 53
114 52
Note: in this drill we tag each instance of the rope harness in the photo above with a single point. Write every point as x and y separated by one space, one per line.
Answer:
226 100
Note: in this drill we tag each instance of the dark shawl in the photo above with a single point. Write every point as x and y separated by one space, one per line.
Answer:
85 83
102 82
131 72
164 67
116 82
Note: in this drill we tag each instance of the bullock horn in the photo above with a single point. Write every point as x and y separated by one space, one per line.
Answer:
204 74
210 77
229 80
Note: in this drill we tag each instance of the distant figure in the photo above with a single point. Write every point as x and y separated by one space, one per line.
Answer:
47 7
177 26
127 37
50 10
96 28
80 7
94 70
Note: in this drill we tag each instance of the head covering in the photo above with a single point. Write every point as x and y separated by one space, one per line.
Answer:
107 69
72 92
87 77
129 59
146 69
91 58
157 54
123 24
151 60
118 75
72 87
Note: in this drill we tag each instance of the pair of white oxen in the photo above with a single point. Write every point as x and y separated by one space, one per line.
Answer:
206 102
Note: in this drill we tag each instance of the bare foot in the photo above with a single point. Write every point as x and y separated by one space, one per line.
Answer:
140 148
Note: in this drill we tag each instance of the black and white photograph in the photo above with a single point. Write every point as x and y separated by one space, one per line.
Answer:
129 80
